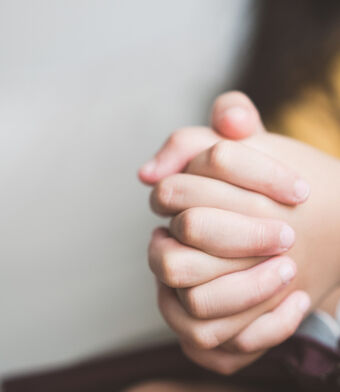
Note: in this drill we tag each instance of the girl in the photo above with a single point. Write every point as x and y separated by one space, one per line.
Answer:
297 94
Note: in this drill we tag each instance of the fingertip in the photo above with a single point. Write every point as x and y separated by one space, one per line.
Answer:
296 305
142 178
301 191
274 327
234 122
287 271
235 116
303 302
287 237
148 172
296 191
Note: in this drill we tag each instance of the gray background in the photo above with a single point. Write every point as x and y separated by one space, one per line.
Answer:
88 91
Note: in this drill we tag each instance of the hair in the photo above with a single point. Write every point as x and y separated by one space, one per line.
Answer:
292 46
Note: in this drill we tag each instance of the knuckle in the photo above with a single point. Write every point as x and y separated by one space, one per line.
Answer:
167 264
188 225
259 237
152 259
171 270
219 154
163 194
193 302
243 345
155 248
228 370
202 337
177 137
164 306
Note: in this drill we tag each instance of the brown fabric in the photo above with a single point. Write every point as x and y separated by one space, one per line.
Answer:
306 363
112 373
299 364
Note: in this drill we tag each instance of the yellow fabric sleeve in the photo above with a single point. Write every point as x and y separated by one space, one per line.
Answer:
313 118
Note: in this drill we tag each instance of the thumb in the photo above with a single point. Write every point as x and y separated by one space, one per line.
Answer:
181 147
234 116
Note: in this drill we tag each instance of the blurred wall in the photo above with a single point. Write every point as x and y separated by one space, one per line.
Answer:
88 90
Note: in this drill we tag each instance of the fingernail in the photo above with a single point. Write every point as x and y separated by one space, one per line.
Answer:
287 273
302 190
287 237
304 303
236 113
149 167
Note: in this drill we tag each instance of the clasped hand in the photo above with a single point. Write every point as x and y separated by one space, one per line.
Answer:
252 244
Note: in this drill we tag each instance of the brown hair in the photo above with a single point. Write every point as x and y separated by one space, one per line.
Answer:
293 46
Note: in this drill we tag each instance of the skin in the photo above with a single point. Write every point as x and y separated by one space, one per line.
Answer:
219 265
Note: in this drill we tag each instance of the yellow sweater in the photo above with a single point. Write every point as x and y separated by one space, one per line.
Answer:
312 118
